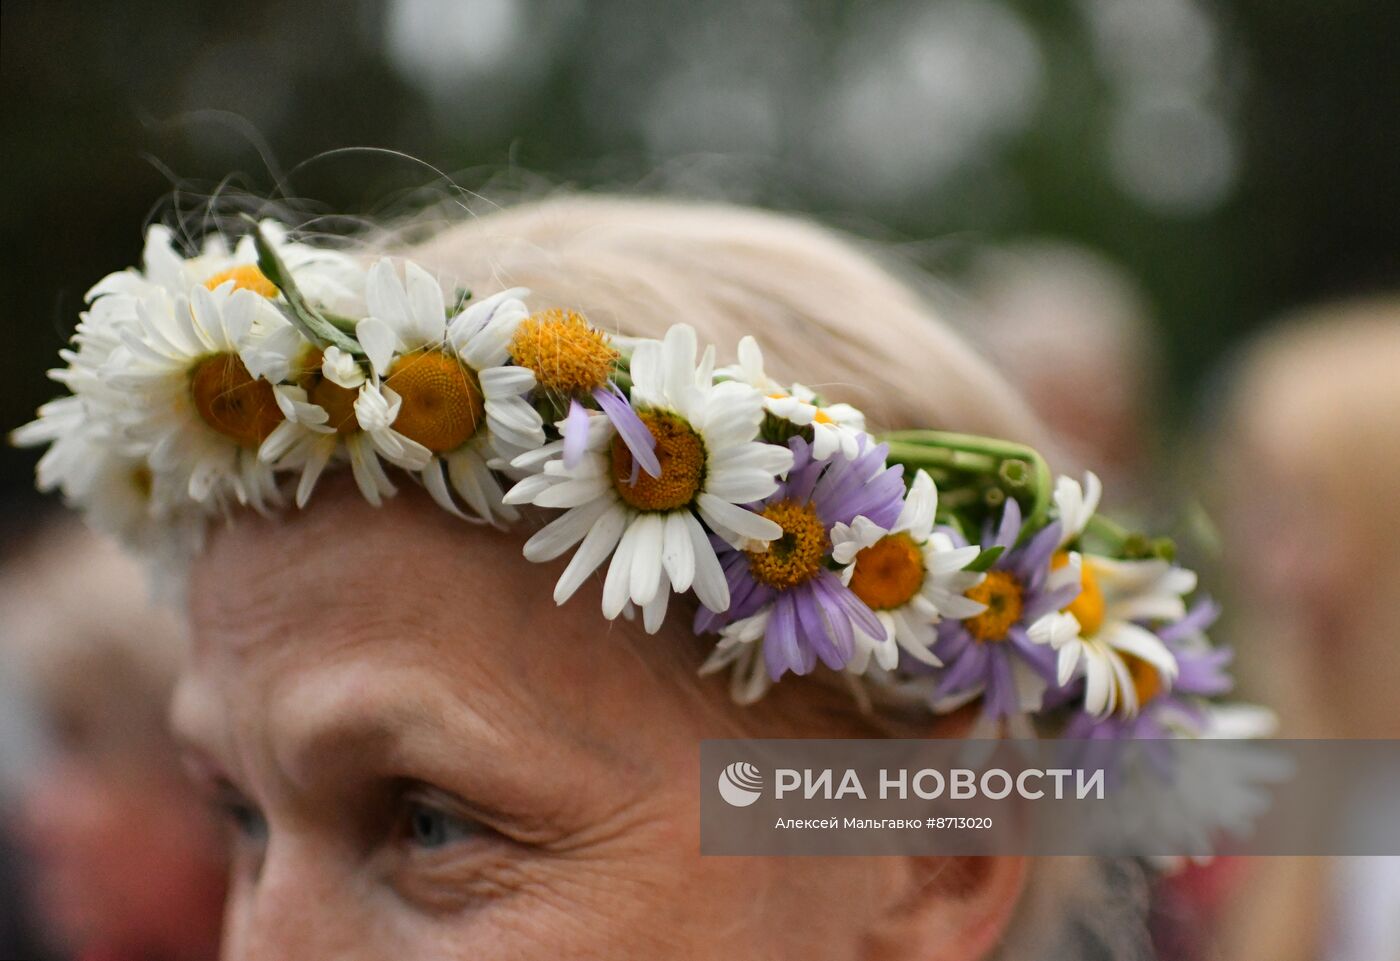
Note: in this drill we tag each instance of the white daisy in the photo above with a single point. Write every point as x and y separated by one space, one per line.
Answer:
114 489
438 381
326 277
148 306
834 426
711 463
1236 722
90 460
193 404
74 425
748 675
909 575
1099 631
335 413
1076 504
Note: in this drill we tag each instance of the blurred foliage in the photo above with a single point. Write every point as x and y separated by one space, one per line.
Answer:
1238 161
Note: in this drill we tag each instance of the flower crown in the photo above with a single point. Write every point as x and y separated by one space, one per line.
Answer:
934 565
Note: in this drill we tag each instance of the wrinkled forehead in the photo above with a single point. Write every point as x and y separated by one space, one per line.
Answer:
347 595
398 566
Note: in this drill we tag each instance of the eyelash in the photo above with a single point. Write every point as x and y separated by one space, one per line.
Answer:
246 821
424 820
428 822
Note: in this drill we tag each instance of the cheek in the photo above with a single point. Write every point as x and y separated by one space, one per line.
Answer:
646 893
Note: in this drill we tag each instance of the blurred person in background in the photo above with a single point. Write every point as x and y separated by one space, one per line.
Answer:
126 863
1072 329
1309 460
18 739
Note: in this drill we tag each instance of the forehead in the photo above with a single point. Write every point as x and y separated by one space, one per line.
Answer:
415 613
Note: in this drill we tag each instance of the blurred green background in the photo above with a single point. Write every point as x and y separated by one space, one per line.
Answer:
1235 158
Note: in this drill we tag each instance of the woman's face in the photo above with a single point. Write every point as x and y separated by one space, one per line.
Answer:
420 756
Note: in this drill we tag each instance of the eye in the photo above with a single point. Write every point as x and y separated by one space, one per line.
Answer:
243 817
431 826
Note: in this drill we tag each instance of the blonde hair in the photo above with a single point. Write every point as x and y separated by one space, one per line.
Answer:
827 314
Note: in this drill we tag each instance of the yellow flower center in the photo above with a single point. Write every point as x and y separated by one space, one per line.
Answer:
889 572
797 555
338 402
442 401
1002 593
564 352
1088 607
230 401
244 277
681 453
1147 680
819 416
143 481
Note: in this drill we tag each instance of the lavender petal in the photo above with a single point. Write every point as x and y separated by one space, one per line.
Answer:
575 434
780 650
1201 616
630 428
813 620
1009 530
1000 700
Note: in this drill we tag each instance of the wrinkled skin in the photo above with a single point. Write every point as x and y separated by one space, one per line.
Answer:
422 757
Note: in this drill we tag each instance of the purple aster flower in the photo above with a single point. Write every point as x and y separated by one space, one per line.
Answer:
788 596
992 654
1202 673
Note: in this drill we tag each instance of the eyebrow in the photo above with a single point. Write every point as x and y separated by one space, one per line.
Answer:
349 738
343 723
346 725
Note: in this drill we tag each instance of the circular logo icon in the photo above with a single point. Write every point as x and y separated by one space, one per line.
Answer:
740 784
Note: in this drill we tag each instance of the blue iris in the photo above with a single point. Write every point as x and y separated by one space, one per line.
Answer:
431 827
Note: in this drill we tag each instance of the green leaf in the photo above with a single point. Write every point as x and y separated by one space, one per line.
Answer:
459 302
1164 548
317 329
986 559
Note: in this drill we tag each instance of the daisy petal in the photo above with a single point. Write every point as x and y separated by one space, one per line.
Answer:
731 517
647 549
564 531
618 579
379 342
600 541
710 585
677 555
575 431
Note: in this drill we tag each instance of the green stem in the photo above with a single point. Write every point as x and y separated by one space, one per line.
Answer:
1112 533
920 455
340 322
316 328
921 448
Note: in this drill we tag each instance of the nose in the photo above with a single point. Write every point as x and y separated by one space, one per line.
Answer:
304 905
